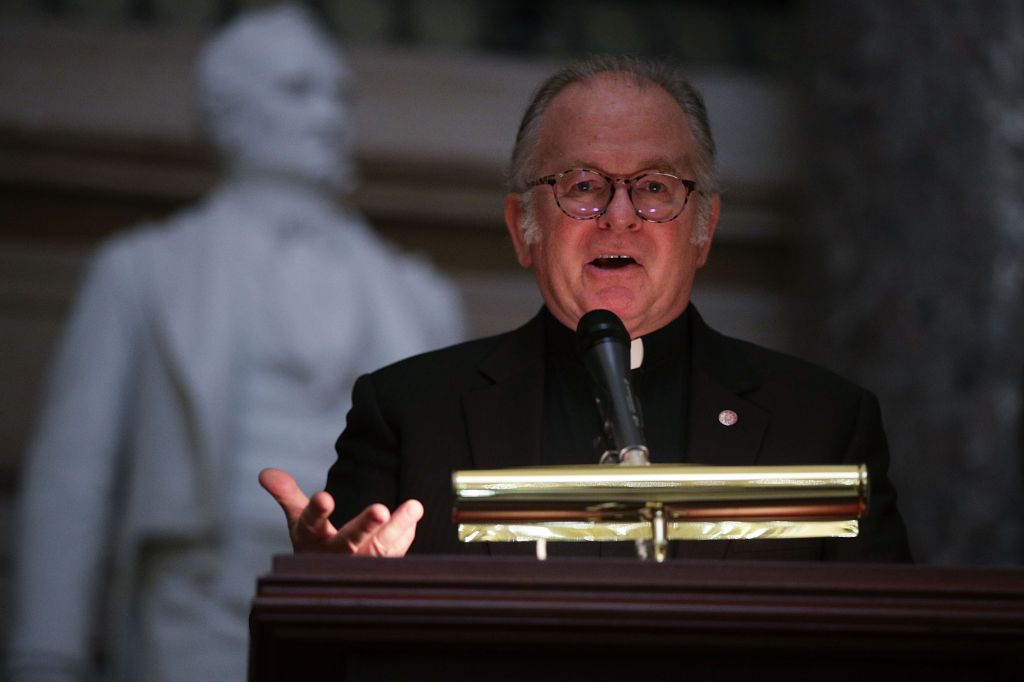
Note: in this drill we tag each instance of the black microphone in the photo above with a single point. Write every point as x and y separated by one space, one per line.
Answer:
603 343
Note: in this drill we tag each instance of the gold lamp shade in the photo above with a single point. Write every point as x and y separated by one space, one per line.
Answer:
659 502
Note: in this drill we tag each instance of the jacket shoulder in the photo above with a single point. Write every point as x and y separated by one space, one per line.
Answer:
451 365
743 365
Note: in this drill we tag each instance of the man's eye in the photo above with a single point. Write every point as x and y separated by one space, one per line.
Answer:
584 186
654 187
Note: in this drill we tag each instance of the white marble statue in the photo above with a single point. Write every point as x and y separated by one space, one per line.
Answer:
200 350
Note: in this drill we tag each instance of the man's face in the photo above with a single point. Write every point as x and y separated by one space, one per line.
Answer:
611 124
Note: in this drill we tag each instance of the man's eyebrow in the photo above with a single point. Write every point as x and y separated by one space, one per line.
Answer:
662 163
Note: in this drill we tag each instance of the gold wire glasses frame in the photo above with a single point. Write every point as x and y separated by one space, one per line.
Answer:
585 194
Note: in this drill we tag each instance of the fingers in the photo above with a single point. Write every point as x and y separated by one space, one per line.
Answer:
309 524
360 530
375 532
400 536
283 488
313 527
394 538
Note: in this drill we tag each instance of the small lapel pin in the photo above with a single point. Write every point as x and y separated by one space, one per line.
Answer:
727 418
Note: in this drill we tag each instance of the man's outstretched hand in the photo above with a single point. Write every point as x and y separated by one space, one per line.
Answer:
374 532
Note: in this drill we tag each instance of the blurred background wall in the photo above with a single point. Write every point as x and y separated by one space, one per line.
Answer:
872 161
914 221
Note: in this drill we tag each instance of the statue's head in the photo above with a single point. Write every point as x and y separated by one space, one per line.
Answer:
272 90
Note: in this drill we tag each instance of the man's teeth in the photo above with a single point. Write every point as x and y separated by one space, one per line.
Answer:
613 261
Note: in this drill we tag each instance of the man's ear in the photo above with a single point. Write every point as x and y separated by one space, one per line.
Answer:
513 214
713 211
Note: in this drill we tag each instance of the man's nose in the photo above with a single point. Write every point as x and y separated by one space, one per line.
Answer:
620 214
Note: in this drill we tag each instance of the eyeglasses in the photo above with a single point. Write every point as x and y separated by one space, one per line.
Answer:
583 194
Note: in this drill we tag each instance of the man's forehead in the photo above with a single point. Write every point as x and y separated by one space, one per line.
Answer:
617 125
660 164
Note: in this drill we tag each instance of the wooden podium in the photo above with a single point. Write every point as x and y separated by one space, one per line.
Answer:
320 617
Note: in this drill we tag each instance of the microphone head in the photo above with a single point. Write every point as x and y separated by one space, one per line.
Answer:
597 326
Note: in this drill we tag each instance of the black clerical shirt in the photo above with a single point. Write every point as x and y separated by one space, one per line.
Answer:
573 433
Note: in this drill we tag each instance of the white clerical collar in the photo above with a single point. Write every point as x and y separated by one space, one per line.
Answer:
636 353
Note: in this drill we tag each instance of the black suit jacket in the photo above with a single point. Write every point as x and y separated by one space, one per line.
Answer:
478 405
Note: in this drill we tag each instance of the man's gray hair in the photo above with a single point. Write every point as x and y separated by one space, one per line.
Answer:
523 166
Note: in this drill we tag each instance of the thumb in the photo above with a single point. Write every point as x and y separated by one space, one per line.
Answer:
283 488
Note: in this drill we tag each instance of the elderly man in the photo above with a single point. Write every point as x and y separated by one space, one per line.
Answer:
613 204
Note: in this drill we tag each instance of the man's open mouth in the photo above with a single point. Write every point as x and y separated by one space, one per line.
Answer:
612 262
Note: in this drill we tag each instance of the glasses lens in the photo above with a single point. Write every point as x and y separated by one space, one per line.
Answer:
659 197
582 193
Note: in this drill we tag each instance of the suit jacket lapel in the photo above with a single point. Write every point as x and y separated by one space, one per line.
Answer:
504 417
719 379
710 441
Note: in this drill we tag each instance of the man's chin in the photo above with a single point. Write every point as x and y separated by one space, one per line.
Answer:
638 319
626 313
621 302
